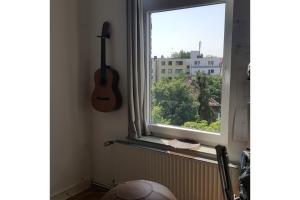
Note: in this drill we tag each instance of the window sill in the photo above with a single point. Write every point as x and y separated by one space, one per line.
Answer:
203 149
209 139
203 153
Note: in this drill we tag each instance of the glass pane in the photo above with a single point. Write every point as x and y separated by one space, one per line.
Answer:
190 95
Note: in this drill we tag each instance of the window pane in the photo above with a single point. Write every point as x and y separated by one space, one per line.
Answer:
191 96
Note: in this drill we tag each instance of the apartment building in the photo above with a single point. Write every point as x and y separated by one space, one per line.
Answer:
173 67
169 68
210 65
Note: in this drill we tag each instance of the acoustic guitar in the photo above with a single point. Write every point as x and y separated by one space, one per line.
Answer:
106 96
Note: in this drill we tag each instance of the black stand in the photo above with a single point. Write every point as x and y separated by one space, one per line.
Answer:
222 158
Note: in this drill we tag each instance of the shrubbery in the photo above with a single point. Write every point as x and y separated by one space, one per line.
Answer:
185 103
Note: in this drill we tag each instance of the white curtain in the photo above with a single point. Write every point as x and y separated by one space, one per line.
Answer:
137 73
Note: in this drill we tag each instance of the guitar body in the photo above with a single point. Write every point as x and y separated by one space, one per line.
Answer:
107 98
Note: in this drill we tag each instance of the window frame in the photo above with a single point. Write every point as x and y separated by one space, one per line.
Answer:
178 71
170 131
179 62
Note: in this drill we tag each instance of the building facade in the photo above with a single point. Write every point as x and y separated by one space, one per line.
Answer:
169 68
173 67
210 65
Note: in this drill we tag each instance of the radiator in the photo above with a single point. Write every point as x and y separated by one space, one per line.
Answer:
189 178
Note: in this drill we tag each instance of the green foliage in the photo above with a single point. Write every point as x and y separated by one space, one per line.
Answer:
205 111
214 84
178 102
173 101
181 54
203 125
157 116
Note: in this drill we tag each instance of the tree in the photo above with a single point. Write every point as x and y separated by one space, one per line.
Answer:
205 112
173 102
157 116
181 54
214 84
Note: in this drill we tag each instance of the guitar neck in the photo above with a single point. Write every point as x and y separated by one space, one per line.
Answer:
103 53
103 63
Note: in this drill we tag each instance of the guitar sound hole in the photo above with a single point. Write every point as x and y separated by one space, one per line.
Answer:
103 98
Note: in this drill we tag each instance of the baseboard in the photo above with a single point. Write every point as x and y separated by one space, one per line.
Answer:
100 186
72 190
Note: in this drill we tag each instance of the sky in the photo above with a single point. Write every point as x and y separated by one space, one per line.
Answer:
182 29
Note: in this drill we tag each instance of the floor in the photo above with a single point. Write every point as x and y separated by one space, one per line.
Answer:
93 193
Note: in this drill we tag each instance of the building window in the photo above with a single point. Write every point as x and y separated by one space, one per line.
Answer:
210 62
179 62
188 105
163 71
178 71
163 62
212 71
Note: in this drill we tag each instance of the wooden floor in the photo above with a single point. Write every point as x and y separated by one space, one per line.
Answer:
93 193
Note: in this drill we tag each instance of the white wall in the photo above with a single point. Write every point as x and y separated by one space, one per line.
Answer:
70 133
113 125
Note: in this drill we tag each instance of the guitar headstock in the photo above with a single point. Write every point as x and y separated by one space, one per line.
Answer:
105 30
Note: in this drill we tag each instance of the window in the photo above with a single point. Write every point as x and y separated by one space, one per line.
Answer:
187 106
163 71
212 71
178 71
163 62
210 62
179 62
197 62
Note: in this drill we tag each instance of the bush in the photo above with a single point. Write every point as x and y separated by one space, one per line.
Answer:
203 125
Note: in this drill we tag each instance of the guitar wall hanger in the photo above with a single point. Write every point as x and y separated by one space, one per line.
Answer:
105 31
104 36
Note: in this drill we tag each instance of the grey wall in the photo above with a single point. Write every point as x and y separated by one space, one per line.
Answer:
70 114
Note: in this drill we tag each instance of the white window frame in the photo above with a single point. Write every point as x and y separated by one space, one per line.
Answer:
170 131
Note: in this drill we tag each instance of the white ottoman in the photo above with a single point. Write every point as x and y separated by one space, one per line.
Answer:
139 190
